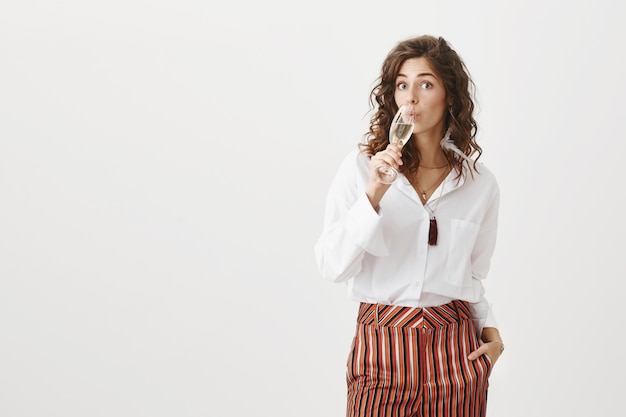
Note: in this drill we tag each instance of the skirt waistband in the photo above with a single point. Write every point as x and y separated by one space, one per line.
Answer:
422 317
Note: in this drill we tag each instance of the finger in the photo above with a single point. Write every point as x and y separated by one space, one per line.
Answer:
397 149
394 152
387 158
477 353
391 159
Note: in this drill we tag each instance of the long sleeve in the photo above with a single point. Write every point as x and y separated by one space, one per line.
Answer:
481 260
351 225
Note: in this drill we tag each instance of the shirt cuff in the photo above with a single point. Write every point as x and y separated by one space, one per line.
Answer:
364 226
483 316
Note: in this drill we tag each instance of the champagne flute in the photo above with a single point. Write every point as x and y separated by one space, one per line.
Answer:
399 134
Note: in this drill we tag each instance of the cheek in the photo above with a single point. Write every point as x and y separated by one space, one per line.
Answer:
438 103
398 96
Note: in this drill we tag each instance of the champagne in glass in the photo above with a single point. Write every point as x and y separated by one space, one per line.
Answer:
399 134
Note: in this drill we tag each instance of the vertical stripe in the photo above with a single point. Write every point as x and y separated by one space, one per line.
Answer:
410 362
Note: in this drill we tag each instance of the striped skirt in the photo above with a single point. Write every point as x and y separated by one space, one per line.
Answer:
413 362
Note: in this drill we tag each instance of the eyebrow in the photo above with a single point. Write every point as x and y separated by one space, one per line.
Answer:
421 74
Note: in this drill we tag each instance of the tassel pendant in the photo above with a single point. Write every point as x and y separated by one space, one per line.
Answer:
432 232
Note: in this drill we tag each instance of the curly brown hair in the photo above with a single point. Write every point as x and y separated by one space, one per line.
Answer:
459 88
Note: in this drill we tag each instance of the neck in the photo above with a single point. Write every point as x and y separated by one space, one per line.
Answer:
431 154
429 146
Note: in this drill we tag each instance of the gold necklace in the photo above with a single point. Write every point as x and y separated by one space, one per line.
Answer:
425 167
423 193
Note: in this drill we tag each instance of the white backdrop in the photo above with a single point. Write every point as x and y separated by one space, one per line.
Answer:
163 170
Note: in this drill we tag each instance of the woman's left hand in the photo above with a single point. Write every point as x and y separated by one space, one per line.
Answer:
493 349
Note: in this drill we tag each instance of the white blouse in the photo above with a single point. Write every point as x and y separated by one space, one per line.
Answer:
384 256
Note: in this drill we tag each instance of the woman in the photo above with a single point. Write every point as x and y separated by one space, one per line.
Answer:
414 253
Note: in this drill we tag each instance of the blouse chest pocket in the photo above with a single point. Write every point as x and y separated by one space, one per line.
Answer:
463 236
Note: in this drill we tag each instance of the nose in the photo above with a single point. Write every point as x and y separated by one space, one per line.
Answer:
412 97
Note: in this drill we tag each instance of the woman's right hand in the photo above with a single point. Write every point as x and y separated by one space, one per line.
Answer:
391 156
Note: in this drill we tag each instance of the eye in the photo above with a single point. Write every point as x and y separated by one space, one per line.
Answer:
426 85
401 86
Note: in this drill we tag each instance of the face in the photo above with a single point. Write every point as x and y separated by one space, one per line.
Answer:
422 91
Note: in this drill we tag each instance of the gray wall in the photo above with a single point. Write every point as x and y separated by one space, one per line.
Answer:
163 169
